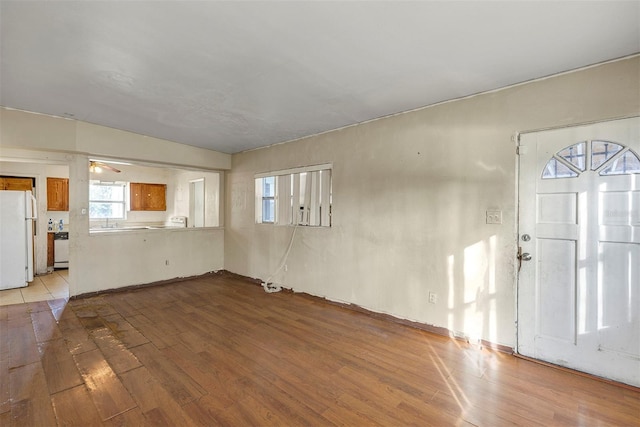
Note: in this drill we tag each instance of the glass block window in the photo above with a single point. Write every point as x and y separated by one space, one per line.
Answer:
603 157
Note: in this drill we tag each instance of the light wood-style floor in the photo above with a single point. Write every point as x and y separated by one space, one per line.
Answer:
219 351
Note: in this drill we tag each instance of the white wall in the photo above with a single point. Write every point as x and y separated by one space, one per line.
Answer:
99 262
410 194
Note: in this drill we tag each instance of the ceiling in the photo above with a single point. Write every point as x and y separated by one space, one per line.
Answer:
233 76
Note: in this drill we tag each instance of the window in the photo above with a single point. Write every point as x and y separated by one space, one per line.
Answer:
624 164
601 151
106 200
268 199
556 169
196 202
606 158
300 196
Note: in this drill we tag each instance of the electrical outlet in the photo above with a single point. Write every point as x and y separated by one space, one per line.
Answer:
494 217
433 297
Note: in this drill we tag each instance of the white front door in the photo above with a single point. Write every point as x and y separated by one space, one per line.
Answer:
579 234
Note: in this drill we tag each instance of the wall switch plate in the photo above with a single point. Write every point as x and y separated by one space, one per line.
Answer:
494 217
433 297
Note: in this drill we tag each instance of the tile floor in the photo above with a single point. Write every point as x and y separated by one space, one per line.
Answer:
43 288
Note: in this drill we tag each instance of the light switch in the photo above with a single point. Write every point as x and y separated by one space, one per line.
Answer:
494 217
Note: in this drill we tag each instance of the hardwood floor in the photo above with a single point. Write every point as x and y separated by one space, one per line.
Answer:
219 351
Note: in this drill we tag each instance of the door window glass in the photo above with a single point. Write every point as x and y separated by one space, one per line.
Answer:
601 151
606 157
627 163
557 169
575 155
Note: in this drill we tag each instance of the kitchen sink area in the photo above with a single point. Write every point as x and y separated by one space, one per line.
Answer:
130 228
123 228
178 222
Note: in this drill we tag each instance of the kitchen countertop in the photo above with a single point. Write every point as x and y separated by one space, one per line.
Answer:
134 228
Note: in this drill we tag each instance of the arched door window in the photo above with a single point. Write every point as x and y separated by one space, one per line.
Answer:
603 157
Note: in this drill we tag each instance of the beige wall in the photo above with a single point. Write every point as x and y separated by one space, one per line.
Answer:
410 194
99 262
24 130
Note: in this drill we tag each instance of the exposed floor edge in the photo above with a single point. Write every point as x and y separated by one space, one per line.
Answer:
438 330
144 285
390 318
580 373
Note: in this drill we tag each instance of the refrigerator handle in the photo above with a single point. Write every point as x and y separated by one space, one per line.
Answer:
34 207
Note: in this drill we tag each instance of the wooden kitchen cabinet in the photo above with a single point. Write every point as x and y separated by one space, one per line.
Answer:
57 194
148 197
16 183
50 250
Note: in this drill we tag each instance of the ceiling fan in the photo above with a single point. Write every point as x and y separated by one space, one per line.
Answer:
98 167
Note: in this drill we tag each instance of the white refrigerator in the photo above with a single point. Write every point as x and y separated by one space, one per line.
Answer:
17 212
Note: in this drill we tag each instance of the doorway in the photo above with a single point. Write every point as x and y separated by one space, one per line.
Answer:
196 202
579 244
32 175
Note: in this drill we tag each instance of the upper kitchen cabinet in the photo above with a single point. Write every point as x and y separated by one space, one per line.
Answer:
148 197
57 194
16 184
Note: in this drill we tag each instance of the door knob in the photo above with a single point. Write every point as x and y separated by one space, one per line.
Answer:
522 256
525 256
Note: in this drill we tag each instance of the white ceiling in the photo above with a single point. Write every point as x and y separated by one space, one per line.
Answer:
232 76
